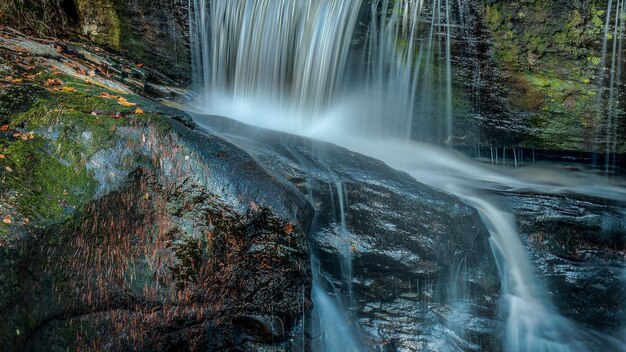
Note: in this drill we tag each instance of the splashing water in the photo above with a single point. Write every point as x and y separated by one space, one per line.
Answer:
283 65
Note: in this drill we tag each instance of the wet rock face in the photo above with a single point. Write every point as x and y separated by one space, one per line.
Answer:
154 267
403 251
161 262
125 229
578 246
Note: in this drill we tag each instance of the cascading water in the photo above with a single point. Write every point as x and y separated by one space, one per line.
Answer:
283 64
607 122
244 61
290 54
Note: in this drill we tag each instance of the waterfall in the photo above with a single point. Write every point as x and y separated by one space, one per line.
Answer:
608 110
289 53
292 65
291 60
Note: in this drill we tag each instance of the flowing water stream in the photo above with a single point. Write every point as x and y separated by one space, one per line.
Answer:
290 65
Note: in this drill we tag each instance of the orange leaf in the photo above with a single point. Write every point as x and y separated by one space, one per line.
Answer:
138 111
68 89
52 82
4 127
108 96
16 80
24 137
17 134
288 229
2 156
7 220
122 101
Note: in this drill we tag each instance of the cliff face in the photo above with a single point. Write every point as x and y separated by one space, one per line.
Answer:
552 71
154 31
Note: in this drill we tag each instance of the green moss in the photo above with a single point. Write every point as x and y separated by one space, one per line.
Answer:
535 43
493 16
48 175
46 188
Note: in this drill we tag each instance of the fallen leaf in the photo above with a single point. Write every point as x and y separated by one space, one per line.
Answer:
26 221
17 134
52 82
147 196
24 137
138 111
139 65
2 156
7 220
8 169
108 96
16 80
122 101
4 127
68 89
288 229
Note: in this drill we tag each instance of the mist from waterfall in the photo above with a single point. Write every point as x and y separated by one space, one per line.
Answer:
293 66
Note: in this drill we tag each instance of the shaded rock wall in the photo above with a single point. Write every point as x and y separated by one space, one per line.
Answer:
150 31
548 56
153 32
